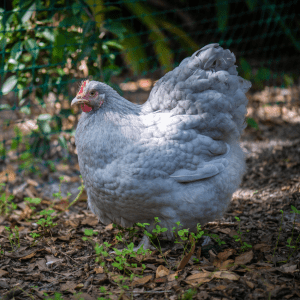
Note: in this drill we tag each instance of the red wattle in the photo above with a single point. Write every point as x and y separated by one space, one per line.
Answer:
86 108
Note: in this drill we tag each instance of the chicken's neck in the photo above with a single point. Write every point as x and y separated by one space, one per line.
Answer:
105 133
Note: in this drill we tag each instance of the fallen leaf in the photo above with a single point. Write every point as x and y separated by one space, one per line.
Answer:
244 258
222 256
226 275
109 227
41 264
160 280
162 271
141 281
68 286
250 284
26 213
224 265
3 273
92 221
99 270
202 277
288 269
232 233
79 286
221 287
64 237
32 182
8 174
188 256
262 247
173 276
224 230
199 253
29 255
73 223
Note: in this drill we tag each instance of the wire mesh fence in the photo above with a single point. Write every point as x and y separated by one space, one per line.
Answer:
48 46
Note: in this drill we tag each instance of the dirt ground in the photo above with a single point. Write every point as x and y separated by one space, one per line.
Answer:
263 264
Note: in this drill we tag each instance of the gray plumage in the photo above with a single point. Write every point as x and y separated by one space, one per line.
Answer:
176 157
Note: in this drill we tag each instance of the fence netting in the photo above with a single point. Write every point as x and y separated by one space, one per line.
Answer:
47 47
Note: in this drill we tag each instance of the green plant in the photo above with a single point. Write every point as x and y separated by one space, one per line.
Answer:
279 233
32 201
215 237
6 204
13 237
157 31
156 232
239 237
46 222
189 294
185 238
293 246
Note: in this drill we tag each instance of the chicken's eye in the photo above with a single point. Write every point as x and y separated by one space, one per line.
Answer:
92 93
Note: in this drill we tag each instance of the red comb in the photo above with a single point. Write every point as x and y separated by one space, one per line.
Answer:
82 87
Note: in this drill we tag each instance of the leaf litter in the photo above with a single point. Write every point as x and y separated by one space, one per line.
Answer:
37 261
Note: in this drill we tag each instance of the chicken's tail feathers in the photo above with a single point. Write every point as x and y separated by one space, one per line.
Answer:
206 84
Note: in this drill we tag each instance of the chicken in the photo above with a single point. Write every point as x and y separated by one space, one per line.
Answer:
176 157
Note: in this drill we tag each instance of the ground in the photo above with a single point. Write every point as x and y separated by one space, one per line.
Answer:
253 254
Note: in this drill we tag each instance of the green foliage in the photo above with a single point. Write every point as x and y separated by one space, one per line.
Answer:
47 221
13 237
291 244
157 27
32 201
44 58
189 294
252 123
6 204
240 237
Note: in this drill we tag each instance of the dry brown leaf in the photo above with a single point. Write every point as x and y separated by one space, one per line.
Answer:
262 247
199 253
8 174
3 273
227 275
221 287
141 281
171 277
64 237
222 256
250 284
202 277
68 286
26 213
244 258
92 221
162 271
32 182
99 270
224 230
73 223
62 167
224 265
232 233
288 269
188 256
29 255
79 286
109 227
41 264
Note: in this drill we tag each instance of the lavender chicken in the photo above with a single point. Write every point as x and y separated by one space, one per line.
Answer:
177 156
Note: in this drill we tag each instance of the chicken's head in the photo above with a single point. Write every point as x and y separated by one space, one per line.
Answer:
89 96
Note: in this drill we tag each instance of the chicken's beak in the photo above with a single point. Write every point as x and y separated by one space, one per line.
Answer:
77 101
